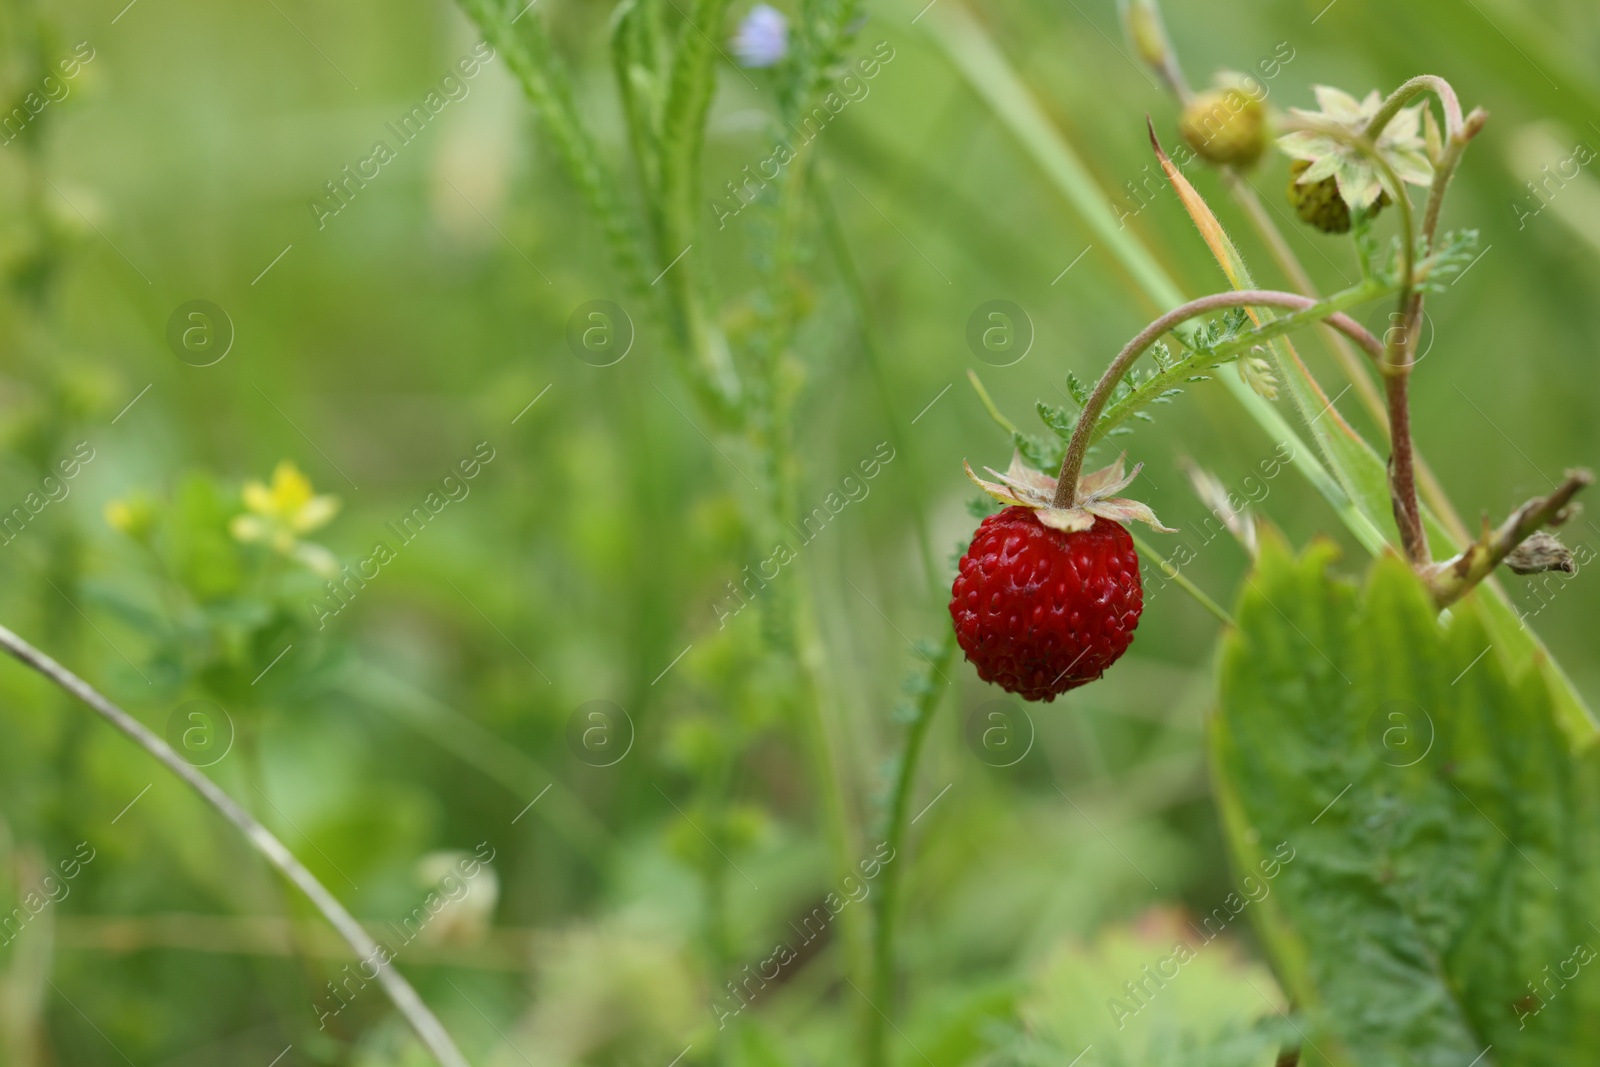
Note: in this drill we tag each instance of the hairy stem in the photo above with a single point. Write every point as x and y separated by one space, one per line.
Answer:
1305 310
888 898
1409 91
1402 343
404 997
1246 197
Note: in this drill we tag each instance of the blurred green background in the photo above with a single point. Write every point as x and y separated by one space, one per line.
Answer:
379 351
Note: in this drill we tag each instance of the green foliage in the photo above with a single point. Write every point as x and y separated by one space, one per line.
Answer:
1445 821
1454 252
1150 995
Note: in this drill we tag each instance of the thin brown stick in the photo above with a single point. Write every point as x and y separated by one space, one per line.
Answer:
428 1028
1452 579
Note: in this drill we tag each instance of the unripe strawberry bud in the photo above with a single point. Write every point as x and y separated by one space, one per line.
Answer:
1319 203
1226 126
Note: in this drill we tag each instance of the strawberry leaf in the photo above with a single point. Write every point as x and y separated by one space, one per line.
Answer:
1445 819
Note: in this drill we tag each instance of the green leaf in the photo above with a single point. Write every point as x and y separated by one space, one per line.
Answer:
1038 453
1079 391
1155 994
1060 420
1445 822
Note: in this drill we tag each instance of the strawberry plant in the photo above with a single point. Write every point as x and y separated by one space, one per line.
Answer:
1358 832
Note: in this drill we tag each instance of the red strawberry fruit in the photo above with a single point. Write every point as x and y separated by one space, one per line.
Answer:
1048 598
1039 611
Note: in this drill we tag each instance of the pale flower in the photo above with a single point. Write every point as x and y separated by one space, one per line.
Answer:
279 514
1401 145
763 37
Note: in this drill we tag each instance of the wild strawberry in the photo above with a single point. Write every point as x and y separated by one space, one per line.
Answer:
1048 598
1320 204
1332 177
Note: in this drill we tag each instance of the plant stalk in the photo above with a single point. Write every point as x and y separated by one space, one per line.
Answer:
1246 196
432 1034
1305 308
888 899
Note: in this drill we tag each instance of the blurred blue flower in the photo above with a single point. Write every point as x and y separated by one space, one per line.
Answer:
763 37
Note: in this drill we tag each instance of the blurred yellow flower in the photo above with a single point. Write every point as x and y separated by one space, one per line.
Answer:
134 516
279 514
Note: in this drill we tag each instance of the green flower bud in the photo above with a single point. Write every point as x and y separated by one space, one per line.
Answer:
1225 126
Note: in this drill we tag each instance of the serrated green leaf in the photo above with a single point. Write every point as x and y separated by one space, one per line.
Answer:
1039 453
1445 825
1079 391
1060 420
981 507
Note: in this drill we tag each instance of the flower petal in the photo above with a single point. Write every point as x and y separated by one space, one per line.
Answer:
317 559
248 528
1405 126
318 511
1326 167
1432 139
1337 104
1108 481
1410 165
1358 184
290 488
1025 488
1307 144
258 498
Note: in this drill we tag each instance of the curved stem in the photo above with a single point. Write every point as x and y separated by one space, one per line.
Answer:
1409 91
1432 491
405 999
1400 351
888 898
1084 433
1366 144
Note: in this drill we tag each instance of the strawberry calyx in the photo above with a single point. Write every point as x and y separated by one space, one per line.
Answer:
1023 486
